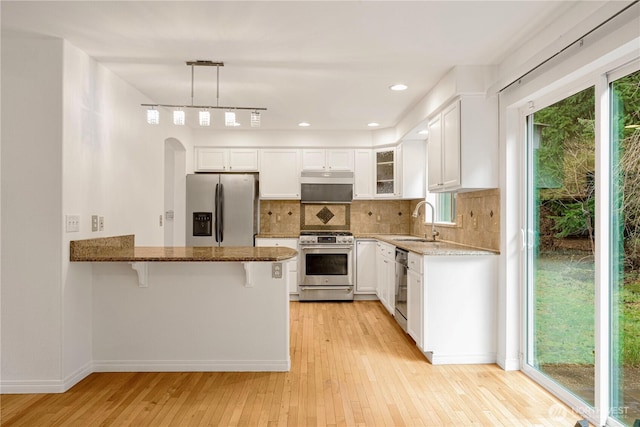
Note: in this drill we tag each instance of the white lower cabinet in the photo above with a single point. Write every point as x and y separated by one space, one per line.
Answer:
292 264
365 262
414 299
458 307
386 273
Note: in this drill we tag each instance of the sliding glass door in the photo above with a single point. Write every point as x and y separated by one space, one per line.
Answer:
561 243
625 244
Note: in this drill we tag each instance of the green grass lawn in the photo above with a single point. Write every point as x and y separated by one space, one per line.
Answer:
564 317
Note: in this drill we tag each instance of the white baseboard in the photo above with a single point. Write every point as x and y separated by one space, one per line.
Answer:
511 364
45 386
31 386
460 359
61 386
191 366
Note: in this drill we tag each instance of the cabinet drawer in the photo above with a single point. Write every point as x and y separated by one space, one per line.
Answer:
386 250
415 262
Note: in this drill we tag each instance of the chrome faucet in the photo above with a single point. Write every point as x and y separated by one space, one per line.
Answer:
434 233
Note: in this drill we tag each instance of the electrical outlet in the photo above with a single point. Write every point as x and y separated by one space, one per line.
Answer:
94 222
474 222
276 270
101 223
72 223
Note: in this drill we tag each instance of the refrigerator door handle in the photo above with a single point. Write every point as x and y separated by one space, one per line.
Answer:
221 212
217 215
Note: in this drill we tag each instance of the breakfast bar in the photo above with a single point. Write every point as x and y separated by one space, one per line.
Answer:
187 309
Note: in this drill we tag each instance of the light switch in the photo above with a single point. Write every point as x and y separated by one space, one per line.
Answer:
72 223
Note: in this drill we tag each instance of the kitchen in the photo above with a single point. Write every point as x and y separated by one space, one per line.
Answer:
105 156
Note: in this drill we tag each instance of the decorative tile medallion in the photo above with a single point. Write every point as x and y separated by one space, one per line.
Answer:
325 217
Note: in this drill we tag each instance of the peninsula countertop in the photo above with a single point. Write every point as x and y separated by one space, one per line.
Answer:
123 249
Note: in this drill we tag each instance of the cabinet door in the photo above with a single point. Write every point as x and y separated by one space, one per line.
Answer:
279 174
434 154
385 170
451 146
411 169
313 159
381 284
365 262
340 160
243 160
414 306
362 175
390 265
210 159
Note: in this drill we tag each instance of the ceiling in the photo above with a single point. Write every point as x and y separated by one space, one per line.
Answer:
329 63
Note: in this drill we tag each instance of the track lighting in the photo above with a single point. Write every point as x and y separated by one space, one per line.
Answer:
229 118
204 116
255 119
153 116
178 118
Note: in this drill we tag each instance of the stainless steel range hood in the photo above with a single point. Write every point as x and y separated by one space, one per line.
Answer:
326 187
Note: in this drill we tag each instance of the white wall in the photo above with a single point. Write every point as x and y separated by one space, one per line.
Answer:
91 152
31 211
113 164
275 138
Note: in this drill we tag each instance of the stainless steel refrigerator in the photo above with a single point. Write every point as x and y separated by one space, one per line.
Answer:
222 209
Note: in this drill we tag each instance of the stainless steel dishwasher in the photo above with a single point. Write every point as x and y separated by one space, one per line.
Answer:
402 265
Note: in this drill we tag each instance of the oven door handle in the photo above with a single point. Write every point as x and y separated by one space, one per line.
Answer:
326 247
326 288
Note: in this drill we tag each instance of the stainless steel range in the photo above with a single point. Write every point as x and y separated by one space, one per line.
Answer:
326 266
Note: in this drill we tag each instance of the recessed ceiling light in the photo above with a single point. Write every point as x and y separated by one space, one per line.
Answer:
398 87
373 124
304 124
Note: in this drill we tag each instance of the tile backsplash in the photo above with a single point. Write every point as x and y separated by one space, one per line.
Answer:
477 219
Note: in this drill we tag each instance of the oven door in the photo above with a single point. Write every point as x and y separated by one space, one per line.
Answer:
326 265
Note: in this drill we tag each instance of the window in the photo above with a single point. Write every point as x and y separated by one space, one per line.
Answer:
560 260
582 252
625 248
446 207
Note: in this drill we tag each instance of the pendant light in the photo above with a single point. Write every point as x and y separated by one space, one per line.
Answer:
204 116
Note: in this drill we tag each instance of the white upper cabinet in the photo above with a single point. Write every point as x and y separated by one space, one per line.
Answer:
463 146
363 174
411 169
327 160
211 159
208 159
280 173
385 172
243 160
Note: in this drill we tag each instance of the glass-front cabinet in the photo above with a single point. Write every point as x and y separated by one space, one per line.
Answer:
386 182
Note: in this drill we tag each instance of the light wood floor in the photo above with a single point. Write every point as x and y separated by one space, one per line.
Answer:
351 365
